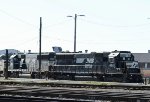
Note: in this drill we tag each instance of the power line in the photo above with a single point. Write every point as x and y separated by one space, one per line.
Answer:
57 38
59 23
16 18
25 42
111 25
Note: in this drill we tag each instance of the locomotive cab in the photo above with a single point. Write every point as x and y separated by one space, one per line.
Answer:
118 59
123 62
15 61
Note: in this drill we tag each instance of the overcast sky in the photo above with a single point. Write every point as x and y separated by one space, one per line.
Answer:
107 25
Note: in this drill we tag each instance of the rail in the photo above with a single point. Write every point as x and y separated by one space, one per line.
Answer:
78 84
77 94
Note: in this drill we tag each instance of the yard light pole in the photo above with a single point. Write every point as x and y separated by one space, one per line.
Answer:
75 29
40 35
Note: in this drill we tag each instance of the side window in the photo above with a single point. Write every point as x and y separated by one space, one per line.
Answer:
111 60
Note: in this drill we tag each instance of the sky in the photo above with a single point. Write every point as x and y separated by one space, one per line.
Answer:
108 25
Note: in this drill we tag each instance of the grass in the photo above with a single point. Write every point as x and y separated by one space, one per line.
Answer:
97 83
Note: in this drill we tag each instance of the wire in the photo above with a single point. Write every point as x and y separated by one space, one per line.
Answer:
108 25
25 42
56 38
59 23
16 18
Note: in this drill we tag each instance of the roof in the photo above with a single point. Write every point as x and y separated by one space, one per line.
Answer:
142 57
13 56
112 55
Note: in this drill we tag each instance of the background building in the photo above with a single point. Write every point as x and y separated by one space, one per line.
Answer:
144 62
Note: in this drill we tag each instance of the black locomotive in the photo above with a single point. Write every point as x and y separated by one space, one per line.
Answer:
117 66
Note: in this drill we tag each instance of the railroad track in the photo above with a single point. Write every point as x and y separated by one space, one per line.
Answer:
5 98
75 94
68 84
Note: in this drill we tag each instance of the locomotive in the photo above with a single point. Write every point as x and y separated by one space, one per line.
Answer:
116 66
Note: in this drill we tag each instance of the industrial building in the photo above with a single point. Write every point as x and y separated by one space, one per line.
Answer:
144 62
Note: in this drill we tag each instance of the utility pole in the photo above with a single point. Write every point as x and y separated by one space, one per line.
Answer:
6 65
40 31
75 29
